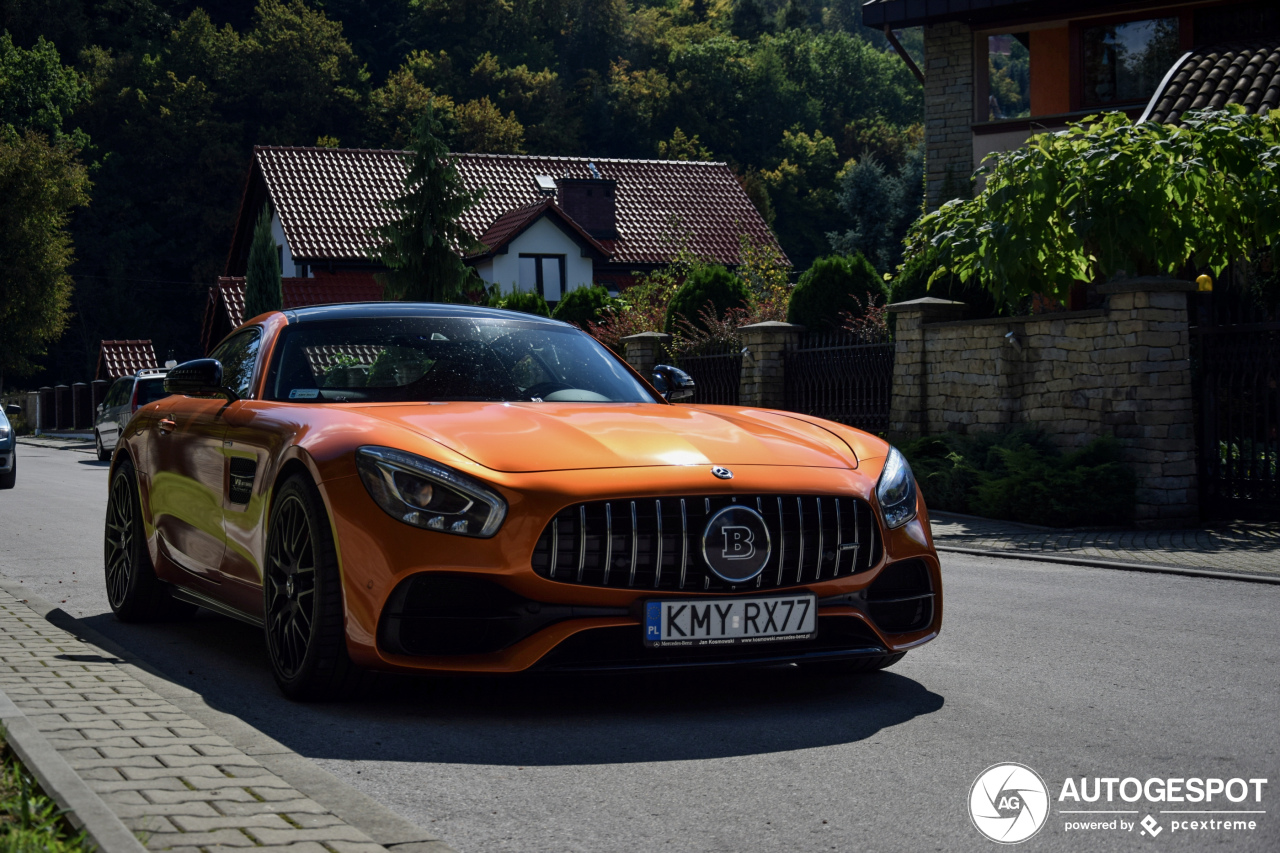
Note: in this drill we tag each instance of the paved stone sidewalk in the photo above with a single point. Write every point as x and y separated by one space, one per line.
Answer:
1253 548
178 785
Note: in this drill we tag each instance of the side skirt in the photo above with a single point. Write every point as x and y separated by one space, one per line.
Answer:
216 606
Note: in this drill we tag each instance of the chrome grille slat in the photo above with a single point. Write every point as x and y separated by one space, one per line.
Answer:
555 545
608 541
840 542
790 519
635 536
684 539
657 562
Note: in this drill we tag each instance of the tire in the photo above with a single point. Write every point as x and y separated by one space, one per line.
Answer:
302 599
7 480
852 666
133 590
104 455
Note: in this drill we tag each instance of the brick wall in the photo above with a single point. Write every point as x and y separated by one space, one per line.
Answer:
948 110
1123 370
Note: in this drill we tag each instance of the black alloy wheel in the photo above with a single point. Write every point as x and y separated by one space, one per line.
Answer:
302 599
133 591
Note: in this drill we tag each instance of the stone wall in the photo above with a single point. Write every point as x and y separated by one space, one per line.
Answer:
1123 370
948 109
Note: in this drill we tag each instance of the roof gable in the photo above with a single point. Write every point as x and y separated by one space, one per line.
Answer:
124 358
512 224
329 200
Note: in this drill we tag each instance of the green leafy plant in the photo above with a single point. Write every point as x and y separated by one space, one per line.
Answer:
528 301
31 822
706 285
823 297
583 305
1021 476
913 282
1108 197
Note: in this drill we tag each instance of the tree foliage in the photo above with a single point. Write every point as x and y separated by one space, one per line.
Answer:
710 288
882 205
420 248
582 305
1107 197
41 183
262 287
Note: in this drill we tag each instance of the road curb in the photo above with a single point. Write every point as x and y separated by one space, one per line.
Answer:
352 806
84 808
1111 564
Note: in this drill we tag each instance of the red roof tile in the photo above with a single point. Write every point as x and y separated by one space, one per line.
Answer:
330 199
124 358
1209 78
301 292
511 224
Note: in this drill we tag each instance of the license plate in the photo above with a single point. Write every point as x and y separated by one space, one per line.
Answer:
730 621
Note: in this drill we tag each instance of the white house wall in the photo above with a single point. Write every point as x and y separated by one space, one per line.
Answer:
543 237
287 267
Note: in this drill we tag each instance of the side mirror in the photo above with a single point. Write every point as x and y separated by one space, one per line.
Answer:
673 383
199 378
13 409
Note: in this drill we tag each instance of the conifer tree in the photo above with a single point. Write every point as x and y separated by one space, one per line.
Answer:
421 247
262 289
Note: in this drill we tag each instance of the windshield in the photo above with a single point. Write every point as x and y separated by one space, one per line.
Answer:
439 359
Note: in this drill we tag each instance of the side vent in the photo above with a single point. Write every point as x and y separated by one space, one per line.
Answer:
243 470
901 598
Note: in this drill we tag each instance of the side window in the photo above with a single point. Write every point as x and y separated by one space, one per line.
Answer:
119 392
239 356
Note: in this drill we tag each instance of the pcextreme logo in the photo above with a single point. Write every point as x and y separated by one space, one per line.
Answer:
1009 803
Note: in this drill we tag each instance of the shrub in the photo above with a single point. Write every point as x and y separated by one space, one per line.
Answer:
583 306
832 290
528 301
706 283
1020 476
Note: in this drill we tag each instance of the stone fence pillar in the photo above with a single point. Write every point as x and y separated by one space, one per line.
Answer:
644 351
908 411
763 382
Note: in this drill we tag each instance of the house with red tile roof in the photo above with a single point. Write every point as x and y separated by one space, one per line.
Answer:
545 223
124 358
998 71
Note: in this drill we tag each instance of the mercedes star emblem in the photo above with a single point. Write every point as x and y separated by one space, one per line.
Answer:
722 473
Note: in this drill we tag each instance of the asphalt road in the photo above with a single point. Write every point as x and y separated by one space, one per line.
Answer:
1071 671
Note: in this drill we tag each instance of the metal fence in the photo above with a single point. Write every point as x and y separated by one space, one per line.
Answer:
842 377
717 371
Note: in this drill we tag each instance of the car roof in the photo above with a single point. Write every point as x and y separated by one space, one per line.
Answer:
383 310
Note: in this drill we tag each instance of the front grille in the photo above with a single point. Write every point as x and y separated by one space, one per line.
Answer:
656 543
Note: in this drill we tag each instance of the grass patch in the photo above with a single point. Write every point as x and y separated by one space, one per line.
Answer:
30 822
1021 476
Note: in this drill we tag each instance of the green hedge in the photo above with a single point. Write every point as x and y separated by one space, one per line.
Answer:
706 283
834 284
583 305
1020 476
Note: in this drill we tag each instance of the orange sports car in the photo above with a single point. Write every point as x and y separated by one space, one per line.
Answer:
439 488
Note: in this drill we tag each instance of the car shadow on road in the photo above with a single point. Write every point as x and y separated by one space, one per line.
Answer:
95 463
531 720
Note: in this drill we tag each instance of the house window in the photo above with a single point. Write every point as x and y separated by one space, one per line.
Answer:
543 274
1124 63
1008 76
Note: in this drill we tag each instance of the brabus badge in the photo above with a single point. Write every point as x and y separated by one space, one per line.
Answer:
722 473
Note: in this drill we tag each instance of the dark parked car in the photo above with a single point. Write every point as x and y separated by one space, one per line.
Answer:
8 448
125 396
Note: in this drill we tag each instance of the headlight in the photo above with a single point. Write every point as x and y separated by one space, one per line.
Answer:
427 494
896 490
4 432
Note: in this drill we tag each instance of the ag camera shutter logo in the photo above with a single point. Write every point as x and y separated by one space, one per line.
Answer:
1008 803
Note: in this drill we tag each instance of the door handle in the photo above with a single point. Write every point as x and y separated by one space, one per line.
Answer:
166 425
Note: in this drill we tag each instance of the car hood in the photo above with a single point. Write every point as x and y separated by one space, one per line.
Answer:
527 437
